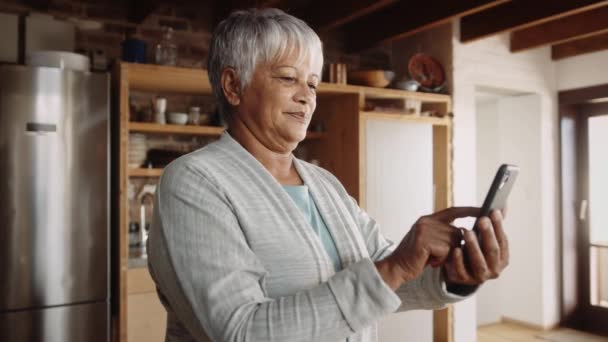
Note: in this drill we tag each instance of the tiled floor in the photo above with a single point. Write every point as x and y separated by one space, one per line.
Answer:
511 332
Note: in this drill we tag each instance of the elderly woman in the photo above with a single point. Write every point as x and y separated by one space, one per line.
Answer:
251 244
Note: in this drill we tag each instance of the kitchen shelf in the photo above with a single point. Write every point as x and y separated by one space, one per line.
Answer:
144 127
444 121
386 93
145 172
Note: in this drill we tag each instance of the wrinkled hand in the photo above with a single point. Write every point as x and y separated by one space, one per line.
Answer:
430 241
477 262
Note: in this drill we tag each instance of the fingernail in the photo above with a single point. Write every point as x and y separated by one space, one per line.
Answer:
496 215
485 222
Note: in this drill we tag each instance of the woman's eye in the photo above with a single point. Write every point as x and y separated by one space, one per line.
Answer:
288 79
312 86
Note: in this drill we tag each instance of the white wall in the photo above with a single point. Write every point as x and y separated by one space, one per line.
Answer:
582 71
489 62
396 195
505 128
487 128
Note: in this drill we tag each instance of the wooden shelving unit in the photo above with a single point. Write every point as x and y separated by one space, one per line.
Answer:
340 148
129 284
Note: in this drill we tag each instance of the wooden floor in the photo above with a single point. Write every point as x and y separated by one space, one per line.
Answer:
512 332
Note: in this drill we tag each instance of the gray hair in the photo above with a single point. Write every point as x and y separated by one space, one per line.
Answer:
250 37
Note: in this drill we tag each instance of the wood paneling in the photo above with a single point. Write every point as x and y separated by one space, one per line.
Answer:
403 19
519 14
580 46
569 28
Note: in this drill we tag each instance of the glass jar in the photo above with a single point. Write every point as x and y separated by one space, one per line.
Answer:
166 49
194 116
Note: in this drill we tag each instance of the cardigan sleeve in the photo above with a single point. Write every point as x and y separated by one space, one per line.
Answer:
428 291
213 281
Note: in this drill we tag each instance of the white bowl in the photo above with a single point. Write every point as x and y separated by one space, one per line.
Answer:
177 118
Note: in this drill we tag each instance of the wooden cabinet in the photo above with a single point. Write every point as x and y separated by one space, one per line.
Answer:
338 144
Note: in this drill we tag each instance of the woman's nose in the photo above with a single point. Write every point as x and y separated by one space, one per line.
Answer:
303 95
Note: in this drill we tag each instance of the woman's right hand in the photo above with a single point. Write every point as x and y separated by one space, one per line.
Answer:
429 241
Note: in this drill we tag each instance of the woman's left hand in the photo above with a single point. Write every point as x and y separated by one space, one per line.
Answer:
483 261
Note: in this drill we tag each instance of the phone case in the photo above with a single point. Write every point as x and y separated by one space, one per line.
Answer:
499 190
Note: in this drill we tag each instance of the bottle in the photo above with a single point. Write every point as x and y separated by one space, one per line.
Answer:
133 234
194 115
166 49
160 106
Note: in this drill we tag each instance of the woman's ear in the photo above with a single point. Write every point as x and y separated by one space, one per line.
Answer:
231 86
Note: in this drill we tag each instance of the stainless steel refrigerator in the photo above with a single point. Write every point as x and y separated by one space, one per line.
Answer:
54 205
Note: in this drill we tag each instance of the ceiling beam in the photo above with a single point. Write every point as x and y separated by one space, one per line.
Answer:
585 24
520 14
580 46
41 5
339 13
402 19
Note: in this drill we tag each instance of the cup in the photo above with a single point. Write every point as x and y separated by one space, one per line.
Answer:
160 106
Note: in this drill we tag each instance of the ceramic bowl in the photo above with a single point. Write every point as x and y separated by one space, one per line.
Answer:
410 85
177 118
371 78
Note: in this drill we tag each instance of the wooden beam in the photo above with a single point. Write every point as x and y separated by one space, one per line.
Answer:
580 46
585 24
339 13
138 10
402 19
41 5
520 14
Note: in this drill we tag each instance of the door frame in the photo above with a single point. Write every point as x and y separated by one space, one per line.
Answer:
574 110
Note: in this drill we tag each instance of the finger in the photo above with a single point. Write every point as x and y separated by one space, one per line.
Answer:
450 214
490 247
456 269
429 229
504 211
476 262
501 236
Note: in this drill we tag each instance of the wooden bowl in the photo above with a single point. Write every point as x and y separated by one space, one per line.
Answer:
371 78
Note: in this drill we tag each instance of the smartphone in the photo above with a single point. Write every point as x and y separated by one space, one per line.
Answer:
499 192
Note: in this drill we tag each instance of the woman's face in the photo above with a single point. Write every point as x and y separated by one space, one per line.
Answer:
279 101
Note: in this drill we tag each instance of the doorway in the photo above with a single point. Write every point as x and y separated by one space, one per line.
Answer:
508 131
584 141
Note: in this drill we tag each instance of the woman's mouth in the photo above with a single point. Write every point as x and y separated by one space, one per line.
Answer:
300 116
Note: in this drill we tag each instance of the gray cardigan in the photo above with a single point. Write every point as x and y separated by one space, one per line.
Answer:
234 259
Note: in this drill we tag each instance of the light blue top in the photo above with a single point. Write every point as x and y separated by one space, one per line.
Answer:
301 196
